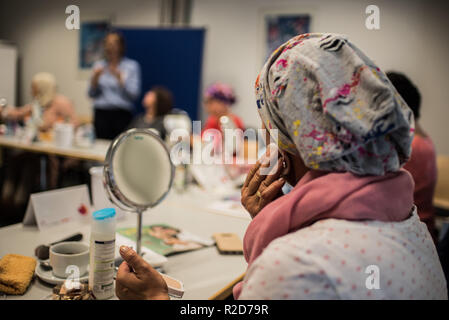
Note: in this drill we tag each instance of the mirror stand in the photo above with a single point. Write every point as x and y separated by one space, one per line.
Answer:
139 231
123 173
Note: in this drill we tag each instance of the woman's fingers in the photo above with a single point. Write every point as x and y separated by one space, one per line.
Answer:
252 181
274 174
259 178
263 171
251 174
262 183
255 183
126 277
259 171
271 192
134 260
124 293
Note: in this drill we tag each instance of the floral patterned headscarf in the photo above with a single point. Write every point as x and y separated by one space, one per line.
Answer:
334 107
222 92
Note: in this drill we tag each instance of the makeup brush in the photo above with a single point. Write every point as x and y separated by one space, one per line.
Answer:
43 251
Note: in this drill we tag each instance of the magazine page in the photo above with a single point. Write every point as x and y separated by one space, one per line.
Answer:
165 239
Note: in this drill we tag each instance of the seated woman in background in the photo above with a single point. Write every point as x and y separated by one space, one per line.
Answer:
157 102
422 164
218 100
348 229
47 108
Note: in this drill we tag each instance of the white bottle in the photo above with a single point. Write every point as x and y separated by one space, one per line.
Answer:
102 253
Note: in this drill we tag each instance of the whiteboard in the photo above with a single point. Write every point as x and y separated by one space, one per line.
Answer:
8 72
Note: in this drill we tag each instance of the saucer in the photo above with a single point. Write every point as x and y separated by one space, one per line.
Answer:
49 277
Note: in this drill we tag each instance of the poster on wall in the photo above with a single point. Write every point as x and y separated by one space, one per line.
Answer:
279 28
92 34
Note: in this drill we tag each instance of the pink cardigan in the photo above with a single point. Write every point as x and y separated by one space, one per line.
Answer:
423 168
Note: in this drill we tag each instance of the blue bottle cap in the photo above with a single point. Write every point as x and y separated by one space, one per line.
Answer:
104 214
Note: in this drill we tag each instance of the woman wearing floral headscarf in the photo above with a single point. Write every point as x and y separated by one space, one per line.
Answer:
348 229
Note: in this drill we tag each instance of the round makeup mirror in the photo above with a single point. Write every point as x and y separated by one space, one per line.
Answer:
138 173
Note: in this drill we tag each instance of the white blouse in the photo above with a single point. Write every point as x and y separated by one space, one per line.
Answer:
340 259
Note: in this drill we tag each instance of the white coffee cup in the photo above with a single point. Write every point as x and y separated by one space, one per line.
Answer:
63 134
69 258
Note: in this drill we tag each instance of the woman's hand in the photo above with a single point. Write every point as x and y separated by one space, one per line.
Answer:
96 76
137 280
116 73
18 113
259 189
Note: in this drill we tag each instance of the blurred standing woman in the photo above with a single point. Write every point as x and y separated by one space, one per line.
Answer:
114 86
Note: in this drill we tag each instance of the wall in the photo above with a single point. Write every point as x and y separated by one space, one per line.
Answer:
412 39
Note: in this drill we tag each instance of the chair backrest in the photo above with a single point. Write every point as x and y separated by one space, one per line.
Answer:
177 120
441 198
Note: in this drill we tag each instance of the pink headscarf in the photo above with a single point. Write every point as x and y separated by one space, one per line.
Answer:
320 195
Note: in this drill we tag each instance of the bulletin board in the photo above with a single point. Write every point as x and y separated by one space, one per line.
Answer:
171 58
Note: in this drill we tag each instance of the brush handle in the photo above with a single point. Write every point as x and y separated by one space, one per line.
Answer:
75 237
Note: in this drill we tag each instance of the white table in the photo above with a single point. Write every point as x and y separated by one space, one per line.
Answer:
95 153
203 272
